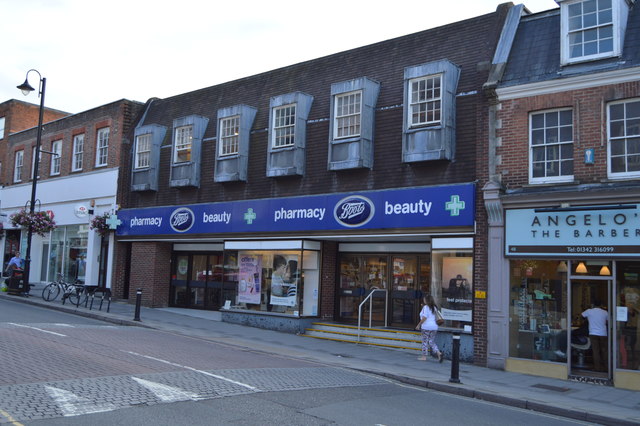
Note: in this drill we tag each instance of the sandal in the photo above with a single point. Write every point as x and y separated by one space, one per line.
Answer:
440 357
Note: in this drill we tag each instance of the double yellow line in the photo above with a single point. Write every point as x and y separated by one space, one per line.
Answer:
11 419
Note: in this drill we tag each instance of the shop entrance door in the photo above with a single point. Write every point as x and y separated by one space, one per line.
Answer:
196 281
591 357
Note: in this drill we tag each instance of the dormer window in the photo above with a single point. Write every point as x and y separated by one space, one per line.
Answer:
592 29
424 101
182 146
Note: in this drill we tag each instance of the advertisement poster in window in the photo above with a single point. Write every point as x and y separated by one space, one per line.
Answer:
456 288
284 280
250 277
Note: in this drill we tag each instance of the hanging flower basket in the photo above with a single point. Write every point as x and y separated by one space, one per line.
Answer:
100 225
41 223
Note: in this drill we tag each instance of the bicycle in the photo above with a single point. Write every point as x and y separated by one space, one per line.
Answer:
52 290
75 292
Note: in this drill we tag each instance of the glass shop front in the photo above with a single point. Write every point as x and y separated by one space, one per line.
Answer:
593 276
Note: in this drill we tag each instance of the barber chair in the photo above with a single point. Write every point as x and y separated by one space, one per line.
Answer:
581 351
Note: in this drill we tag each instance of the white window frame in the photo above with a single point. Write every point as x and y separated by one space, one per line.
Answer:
143 151
56 157
229 136
102 147
588 28
18 166
2 123
348 115
78 152
183 137
631 130
425 101
33 161
548 143
284 126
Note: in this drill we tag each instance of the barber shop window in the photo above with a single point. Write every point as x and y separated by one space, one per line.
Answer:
538 310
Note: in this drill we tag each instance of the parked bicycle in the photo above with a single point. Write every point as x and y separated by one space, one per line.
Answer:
76 292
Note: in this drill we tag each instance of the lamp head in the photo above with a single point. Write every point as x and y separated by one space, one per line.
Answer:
26 87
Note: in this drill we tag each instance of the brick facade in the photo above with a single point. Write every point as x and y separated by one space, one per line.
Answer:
590 130
150 273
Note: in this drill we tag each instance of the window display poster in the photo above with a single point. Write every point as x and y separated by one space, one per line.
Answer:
284 280
250 279
457 301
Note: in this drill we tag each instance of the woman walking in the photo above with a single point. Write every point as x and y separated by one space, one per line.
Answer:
429 328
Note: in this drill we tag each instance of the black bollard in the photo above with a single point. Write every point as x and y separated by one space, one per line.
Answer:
455 359
138 300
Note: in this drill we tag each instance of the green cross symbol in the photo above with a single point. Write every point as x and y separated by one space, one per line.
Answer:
454 206
113 221
249 216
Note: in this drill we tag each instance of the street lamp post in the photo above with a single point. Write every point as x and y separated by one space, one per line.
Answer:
26 88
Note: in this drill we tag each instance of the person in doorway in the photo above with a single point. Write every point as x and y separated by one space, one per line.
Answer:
429 329
598 319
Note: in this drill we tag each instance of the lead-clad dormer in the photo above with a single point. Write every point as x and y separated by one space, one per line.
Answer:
592 29
430 111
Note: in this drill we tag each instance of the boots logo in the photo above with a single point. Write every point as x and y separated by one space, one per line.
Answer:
354 211
181 219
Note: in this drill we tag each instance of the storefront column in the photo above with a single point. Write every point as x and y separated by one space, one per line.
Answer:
150 271
328 282
498 281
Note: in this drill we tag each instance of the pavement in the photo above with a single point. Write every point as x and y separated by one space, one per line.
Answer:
580 401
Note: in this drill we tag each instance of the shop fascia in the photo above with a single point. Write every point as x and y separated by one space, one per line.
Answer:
589 230
418 207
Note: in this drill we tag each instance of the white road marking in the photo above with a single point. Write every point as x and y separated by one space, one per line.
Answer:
39 329
167 393
206 373
65 325
74 405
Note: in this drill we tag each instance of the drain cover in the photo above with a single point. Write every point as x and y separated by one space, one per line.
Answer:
551 388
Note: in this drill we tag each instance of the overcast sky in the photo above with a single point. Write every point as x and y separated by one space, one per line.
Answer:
96 52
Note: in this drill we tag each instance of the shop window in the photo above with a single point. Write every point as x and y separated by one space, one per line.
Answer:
68 253
452 286
628 315
538 310
233 135
352 123
429 111
146 161
282 281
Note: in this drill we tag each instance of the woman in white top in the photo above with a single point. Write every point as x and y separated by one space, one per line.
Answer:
429 329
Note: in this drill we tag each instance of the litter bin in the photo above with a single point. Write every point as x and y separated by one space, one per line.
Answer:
15 282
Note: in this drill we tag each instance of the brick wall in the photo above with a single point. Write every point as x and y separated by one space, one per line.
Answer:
151 272
116 116
590 130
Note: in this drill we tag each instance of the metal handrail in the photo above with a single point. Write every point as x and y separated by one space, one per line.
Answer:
370 299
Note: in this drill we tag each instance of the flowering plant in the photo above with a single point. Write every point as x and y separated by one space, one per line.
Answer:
40 222
99 223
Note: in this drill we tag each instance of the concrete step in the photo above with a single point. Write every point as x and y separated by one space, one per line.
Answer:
389 338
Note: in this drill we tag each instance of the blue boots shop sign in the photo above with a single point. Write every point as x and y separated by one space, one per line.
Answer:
423 207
